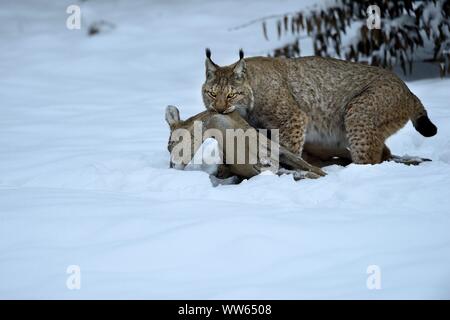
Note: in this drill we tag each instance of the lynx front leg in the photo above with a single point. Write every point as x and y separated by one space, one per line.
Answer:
292 125
292 122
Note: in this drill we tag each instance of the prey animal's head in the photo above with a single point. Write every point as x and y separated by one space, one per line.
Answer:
181 144
174 122
227 88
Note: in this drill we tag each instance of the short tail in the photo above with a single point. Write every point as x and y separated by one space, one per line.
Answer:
421 121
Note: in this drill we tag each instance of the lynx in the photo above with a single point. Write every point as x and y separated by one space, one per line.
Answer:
233 120
323 107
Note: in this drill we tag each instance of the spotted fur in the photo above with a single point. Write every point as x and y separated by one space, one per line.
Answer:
323 106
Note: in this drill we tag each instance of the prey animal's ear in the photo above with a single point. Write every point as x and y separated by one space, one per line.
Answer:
211 67
240 68
172 115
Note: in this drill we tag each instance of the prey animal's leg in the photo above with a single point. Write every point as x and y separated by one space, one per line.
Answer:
298 174
226 181
408 160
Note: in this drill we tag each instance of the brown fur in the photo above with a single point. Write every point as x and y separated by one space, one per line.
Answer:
325 107
234 121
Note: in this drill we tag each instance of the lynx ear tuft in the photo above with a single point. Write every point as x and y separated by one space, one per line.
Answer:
172 115
211 67
241 54
208 57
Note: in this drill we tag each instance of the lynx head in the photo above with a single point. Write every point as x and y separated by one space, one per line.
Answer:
227 88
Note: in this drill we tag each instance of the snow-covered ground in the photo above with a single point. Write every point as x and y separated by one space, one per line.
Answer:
84 177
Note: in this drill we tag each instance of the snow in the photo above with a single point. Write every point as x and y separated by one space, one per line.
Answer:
84 177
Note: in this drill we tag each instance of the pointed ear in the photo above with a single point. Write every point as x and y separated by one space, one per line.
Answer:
211 67
172 115
240 68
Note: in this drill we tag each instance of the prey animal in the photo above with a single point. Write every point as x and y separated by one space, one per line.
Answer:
285 161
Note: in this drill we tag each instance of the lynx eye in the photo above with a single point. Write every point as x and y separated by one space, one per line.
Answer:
231 95
212 94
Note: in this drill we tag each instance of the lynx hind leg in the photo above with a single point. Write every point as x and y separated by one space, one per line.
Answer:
365 142
372 117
